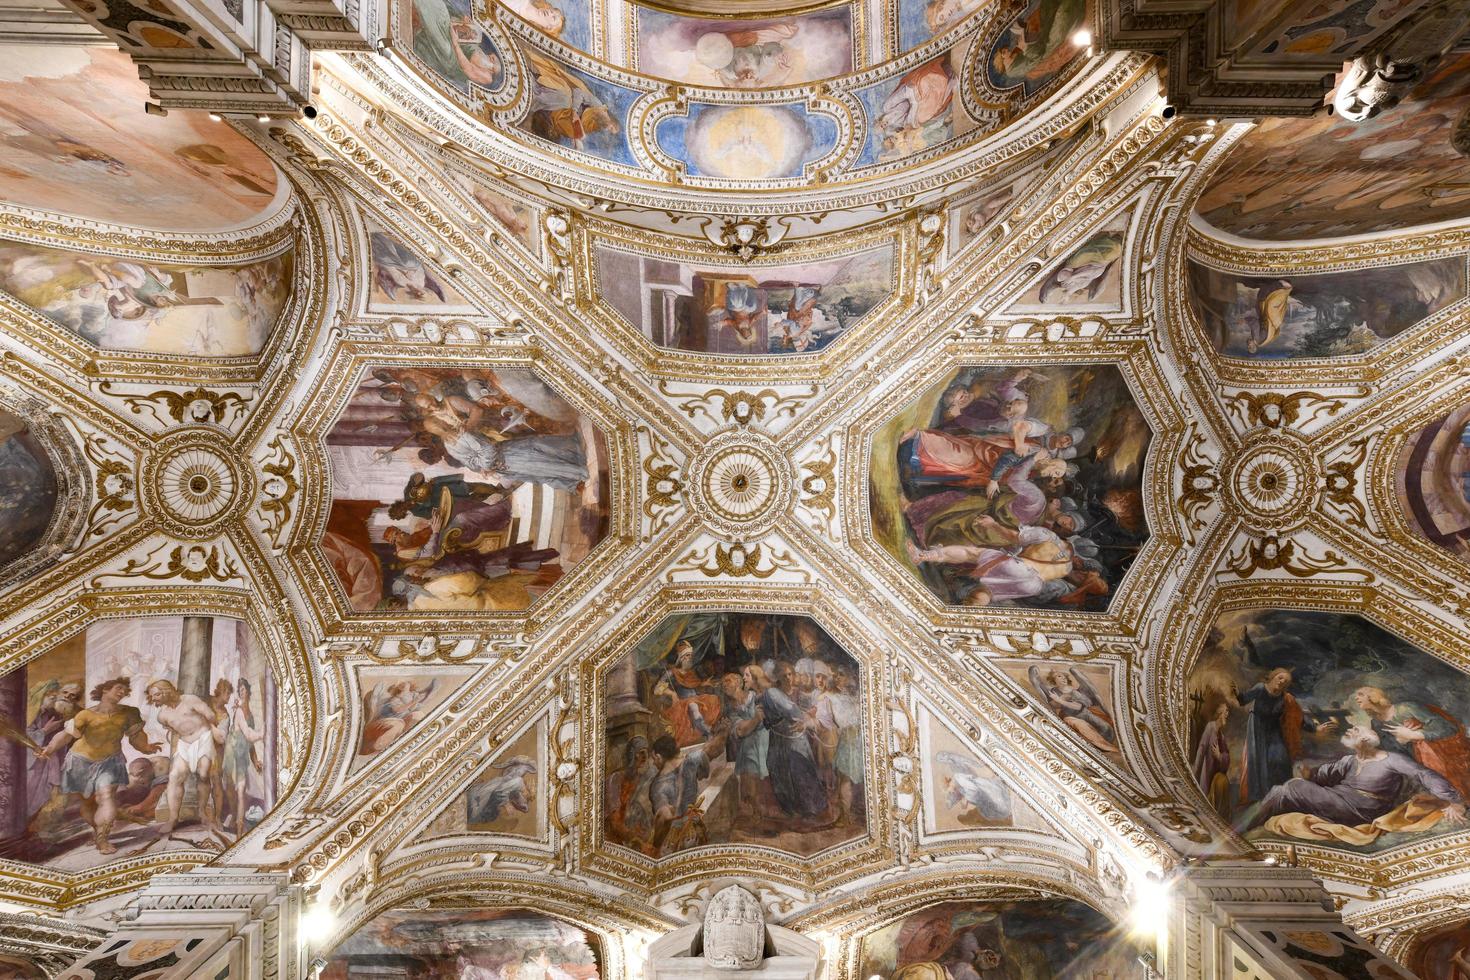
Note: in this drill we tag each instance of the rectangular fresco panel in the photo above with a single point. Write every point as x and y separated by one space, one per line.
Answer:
733 728
1323 727
507 797
747 309
1015 486
401 279
138 736
1090 277
142 305
396 699
1328 315
472 944
460 490
1080 696
1006 940
746 53
517 219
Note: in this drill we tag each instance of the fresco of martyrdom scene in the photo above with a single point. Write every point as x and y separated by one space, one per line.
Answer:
746 53
460 490
1334 314
467 944
1433 481
1326 176
74 138
27 489
137 737
734 728
1015 486
1032 939
747 309
158 307
1323 727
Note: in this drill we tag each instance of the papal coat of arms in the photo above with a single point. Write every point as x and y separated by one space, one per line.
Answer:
734 930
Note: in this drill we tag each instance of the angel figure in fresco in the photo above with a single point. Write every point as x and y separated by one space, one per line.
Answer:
736 324
971 793
507 794
564 109
397 270
390 712
805 325
743 58
915 115
1074 700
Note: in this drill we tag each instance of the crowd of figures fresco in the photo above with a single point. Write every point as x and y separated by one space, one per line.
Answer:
746 309
1325 176
1433 481
730 727
1015 486
1325 315
28 489
460 490
127 304
466 944
1034 939
1324 727
73 132
137 736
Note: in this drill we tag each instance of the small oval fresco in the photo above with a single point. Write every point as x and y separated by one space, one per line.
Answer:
1015 486
1433 481
1326 728
138 737
726 728
747 142
28 489
76 140
1016 940
1334 314
453 44
1325 176
1037 46
460 490
800 308
475 944
144 305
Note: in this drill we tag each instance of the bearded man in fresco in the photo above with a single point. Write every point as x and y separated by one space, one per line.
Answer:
1273 734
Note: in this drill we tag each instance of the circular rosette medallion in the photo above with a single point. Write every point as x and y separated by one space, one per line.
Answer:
742 483
1274 480
193 483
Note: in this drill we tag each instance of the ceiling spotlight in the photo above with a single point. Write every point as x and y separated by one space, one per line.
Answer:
1212 123
262 118
317 923
216 117
1082 38
1168 111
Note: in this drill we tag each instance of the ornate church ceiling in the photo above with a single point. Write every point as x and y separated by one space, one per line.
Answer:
521 467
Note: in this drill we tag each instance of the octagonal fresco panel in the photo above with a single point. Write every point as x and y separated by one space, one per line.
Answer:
1433 481
1016 486
1323 727
137 737
1443 954
1016 940
460 489
734 728
1334 314
468 943
27 489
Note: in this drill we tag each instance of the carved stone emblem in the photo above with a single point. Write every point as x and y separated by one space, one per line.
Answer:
734 930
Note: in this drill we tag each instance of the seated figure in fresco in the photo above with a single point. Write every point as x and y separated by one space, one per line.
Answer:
743 58
691 705
915 115
1359 789
627 796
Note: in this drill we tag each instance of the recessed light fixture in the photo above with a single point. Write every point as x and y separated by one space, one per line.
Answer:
1082 38
216 117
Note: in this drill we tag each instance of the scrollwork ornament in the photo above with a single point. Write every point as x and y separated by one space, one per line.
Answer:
740 407
1274 409
192 563
739 560
1199 484
1272 554
114 486
278 490
1340 484
196 406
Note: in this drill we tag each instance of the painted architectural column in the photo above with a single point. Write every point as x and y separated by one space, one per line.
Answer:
1251 921
196 648
13 756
